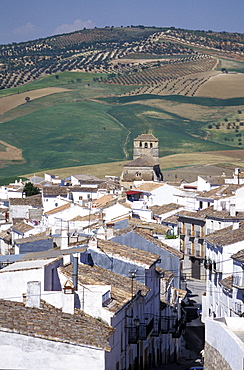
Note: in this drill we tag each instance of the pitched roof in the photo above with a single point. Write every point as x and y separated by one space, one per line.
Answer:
27 265
58 209
95 275
55 190
88 178
160 244
201 215
149 186
22 227
226 236
159 210
220 192
33 238
104 200
146 137
34 200
52 324
227 282
123 251
143 161
52 253
239 256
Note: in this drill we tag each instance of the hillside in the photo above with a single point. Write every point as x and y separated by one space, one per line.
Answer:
81 98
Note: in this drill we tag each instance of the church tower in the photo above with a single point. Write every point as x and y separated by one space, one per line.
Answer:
146 144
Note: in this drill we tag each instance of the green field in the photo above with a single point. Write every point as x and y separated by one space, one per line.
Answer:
92 124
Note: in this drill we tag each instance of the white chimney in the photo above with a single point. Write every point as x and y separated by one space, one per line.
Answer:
236 225
232 210
68 298
93 243
33 295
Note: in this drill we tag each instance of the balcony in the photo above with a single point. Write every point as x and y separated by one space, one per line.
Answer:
238 280
139 331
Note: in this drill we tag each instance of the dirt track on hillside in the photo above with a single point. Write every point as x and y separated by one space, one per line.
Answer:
9 102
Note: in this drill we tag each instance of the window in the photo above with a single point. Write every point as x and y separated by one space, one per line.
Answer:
106 298
151 145
140 144
146 146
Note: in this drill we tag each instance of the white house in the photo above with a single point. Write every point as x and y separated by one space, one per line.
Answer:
220 299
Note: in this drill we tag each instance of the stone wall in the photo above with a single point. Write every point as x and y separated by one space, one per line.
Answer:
213 359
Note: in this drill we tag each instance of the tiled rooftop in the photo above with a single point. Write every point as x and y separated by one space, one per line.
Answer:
227 282
58 209
120 285
146 137
55 190
51 324
159 210
52 253
103 201
149 186
33 238
220 192
239 256
123 251
161 245
143 161
34 200
226 236
22 227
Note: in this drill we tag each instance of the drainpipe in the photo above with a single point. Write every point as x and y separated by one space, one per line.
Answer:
75 272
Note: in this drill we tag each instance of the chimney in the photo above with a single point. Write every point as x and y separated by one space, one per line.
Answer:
232 210
68 298
33 295
235 225
93 243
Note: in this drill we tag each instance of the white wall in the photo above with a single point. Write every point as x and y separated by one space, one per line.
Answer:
221 337
29 353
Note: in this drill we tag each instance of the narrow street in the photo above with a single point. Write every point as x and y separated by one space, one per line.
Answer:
193 338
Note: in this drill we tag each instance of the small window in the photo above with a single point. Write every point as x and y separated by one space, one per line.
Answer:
106 298
146 146
56 204
140 144
151 145
80 197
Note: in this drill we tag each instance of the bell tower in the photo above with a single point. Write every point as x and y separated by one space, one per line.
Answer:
146 144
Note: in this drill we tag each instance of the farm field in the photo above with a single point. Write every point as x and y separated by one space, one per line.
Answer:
87 108
184 166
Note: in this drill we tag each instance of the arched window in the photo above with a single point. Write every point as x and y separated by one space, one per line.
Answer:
146 145
140 144
151 145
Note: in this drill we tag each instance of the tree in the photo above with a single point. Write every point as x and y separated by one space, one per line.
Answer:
27 99
30 189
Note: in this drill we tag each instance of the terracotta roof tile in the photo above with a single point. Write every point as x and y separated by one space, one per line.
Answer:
220 192
34 200
239 256
146 137
22 227
159 210
133 254
58 209
149 186
226 236
52 324
227 282
120 285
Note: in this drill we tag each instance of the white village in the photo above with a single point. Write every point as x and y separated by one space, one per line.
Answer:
104 274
